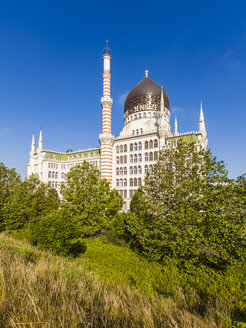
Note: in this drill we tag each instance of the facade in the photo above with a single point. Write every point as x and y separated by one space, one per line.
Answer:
122 160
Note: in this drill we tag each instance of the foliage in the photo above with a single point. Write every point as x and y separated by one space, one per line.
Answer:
29 200
242 179
88 200
189 209
57 233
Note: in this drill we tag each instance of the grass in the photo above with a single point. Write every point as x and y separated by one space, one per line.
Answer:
103 288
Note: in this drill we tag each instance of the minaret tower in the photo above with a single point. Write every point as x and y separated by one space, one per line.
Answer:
202 129
164 129
106 138
40 141
32 146
176 127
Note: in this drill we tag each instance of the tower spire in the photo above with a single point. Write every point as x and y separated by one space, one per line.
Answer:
202 128
176 126
106 138
33 145
40 141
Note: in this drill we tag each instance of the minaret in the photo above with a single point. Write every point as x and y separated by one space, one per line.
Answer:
176 127
106 138
164 129
202 128
33 145
40 141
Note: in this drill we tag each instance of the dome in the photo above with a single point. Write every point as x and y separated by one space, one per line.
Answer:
146 95
107 50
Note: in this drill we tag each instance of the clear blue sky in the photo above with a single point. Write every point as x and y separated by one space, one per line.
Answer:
51 70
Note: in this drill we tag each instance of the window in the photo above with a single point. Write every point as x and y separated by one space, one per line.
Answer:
155 143
135 116
125 183
131 170
135 182
155 156
139 115
49 165
140 146
139 182
131 158
62 175
131 182
140 157
117 171
121 148
137 132
121 182
135 170
135 158
56 175
146 145
121 160
133 132
141 131
135 146
169 143
125 148
117 182
150 168
53 175
49 174
117 149
146 157
146 169
125 159
131 147
121 171
144 114
151 144
125 171
139 170
117 160
125 194
151 156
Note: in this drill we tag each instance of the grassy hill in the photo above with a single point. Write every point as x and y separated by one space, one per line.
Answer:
110 286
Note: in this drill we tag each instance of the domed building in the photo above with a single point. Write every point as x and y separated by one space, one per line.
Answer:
122 160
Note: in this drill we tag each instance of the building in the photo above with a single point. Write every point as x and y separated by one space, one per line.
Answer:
122 160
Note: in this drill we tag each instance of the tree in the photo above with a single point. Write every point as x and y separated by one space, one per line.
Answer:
88 199
29 200
190 209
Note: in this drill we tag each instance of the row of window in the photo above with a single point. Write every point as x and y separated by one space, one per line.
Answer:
132 182
140 115
137 146
134 169
123 193
152 156
53 184
69 165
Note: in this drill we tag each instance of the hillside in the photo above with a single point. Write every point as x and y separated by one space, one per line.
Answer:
109 286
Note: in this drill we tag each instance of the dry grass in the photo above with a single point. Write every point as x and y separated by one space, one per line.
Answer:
54 292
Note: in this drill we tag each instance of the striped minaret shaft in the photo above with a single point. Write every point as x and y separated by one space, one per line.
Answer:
106 138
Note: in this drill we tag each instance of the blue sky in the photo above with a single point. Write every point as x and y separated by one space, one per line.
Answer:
51 70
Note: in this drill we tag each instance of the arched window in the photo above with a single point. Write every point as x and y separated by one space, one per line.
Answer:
121 171
141 131
135 116
121 148
131 182
133 132
49 174
139 115
131 158
62 175
121 160
131 170
125 171
51 165
125 182
53 175
117 182
131 147
135 158
125 159
125 148
48 165
146 168
117 149
117 160
135 170
139 169
144 114
135 146
155 155
146 157
140 145
150 168
139 182
135 182
151 156
146 145
56 176
140 157
151 144
121 182
155 143
117 171
137 132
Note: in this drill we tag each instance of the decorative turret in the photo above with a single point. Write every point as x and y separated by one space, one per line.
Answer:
164 129
176 127
106 138
32 146
40 141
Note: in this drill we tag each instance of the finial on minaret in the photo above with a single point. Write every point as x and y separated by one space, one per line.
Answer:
33 144
146 73
176 126
40 142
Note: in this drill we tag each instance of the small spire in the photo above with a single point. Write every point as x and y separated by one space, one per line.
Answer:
146 73
202 128
175 126
33 144
40 142
201 114
162 101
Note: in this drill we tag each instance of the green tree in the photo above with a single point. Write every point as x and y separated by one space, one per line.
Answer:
29 200
189 209
88 199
